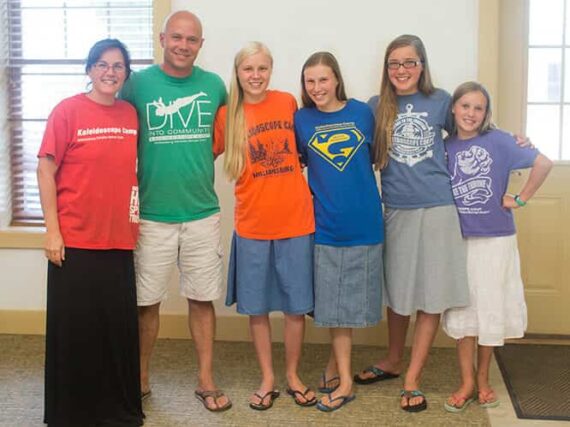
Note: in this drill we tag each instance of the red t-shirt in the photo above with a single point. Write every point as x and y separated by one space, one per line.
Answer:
273 200
95 149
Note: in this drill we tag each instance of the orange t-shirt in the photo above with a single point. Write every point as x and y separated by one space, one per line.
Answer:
273 200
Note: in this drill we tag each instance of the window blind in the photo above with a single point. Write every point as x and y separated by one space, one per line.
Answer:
48 41
5 188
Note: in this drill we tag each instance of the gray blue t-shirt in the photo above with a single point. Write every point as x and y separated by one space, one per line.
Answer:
416 175
479 169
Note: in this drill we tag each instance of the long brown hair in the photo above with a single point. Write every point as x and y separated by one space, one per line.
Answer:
322 58
468 87
387 108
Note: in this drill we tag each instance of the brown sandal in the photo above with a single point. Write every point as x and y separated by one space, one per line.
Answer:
202 395
303 394
272 394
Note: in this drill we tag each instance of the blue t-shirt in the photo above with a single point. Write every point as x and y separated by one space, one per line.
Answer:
416 175
336 147
479 169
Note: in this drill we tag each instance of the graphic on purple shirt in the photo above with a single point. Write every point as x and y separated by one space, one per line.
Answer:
480 169
470 181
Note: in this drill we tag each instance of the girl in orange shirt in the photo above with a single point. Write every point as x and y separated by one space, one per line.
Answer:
271 257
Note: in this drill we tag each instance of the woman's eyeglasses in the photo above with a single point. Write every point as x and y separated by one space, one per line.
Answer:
103 67
407 64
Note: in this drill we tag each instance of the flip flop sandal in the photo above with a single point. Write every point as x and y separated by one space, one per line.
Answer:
493 403
379 375
326 388
328 408
307 402
455 408
202 395
408 394
273 394
145 395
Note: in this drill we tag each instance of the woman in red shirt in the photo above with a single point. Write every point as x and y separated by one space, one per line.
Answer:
89 196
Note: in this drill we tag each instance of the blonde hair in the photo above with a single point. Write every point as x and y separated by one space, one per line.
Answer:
236 130
466 88
387 108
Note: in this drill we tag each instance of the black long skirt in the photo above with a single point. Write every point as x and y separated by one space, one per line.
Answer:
92 342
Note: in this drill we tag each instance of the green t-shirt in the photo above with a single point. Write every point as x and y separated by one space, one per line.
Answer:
175 159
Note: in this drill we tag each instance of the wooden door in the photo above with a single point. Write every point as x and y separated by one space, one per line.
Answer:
543 228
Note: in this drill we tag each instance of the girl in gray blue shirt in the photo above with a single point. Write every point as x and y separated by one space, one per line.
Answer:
424 255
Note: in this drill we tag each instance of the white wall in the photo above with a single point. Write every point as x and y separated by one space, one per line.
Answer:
23 274
356 32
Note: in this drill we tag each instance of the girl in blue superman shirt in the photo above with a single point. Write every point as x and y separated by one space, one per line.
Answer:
334 137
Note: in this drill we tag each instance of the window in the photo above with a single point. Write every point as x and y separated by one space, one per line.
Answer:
548 91
48 43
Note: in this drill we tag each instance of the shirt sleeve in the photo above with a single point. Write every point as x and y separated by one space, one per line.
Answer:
519 157
448 115
218 146
56 136
370 118
127 91
373 103
223 93
301 145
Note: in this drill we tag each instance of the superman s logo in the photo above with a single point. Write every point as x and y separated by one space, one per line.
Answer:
337 146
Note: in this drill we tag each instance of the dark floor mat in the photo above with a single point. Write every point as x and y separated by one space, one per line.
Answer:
538 379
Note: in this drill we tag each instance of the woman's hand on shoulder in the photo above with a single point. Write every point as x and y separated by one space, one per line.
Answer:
54 248
523 141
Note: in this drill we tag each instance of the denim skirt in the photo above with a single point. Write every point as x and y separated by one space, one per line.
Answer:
271 275
348 285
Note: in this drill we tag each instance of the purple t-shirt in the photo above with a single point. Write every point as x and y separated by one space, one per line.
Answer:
479 168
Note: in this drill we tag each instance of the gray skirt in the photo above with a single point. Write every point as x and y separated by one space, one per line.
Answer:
424 260
348 286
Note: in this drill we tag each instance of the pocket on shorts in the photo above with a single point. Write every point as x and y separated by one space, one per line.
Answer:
389 214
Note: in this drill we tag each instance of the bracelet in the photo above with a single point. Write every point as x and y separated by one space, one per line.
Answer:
519 202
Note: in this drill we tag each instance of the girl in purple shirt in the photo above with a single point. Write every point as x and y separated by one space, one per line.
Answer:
480 159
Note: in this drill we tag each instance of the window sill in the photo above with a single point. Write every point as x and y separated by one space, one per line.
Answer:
22 238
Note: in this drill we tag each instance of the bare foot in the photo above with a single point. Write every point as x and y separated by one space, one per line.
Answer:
213 400
213 403
329 381
487 398
338 397
458 397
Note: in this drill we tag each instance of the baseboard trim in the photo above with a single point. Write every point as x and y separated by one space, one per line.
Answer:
228 328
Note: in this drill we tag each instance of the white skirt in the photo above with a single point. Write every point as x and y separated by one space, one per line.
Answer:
497 310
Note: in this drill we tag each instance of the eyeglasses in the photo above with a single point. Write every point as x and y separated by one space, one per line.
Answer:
407 64
103 67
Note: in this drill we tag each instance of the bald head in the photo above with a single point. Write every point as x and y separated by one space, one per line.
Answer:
181 15
181 39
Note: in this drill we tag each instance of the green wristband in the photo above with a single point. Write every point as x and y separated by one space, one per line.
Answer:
519 202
